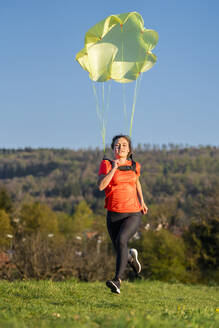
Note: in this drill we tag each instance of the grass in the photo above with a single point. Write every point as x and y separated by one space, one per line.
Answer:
77 304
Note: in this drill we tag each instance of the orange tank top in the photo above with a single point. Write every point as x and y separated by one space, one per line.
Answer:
121 193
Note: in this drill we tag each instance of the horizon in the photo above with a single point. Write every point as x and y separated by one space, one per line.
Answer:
139 145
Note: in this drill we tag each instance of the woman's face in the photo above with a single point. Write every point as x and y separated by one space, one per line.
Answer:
121 148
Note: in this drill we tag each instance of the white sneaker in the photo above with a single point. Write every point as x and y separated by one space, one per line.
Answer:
133 260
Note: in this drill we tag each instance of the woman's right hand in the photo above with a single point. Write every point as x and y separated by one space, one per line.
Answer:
104 180
115 164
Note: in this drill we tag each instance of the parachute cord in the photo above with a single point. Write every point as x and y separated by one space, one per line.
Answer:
100 115
123 84
137 84
103 96
124 105
108 97
97 100
103 123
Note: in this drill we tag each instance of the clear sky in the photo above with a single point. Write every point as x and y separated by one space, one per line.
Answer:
46 98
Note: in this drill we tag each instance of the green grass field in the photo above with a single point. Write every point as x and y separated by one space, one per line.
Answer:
77 304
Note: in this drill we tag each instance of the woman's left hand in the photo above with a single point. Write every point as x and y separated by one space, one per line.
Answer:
144 208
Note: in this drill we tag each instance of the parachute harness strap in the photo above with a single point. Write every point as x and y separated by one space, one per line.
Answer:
131 167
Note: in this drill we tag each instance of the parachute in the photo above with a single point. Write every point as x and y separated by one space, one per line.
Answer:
118 48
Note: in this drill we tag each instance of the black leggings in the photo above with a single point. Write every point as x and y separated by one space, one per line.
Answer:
120 232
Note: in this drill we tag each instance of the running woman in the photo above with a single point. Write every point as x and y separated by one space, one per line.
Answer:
125 205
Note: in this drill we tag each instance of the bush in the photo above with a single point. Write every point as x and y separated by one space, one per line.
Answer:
202 241
42 257
162 256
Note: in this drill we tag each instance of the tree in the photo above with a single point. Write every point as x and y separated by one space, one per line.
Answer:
66 224
5 200
38 217
83 217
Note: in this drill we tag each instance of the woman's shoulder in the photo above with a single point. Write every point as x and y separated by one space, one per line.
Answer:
138 164
137 168
106 162
105 166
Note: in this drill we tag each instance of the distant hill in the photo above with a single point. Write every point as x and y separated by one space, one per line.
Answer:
175 180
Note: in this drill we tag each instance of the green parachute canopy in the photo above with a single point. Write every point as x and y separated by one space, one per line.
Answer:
118 48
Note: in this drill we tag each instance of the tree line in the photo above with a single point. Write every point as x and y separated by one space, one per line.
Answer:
49 198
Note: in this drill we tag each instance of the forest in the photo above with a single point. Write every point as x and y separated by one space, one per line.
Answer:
53 192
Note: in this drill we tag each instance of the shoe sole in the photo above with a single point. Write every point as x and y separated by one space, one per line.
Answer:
114 289
134 254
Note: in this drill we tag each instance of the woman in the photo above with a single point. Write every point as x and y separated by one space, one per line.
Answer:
125 204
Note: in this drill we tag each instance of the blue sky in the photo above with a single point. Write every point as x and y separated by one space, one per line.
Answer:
46 98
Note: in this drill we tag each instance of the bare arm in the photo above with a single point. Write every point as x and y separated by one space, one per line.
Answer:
104 180
141 198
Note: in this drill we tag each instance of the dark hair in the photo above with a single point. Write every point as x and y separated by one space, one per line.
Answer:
125 137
